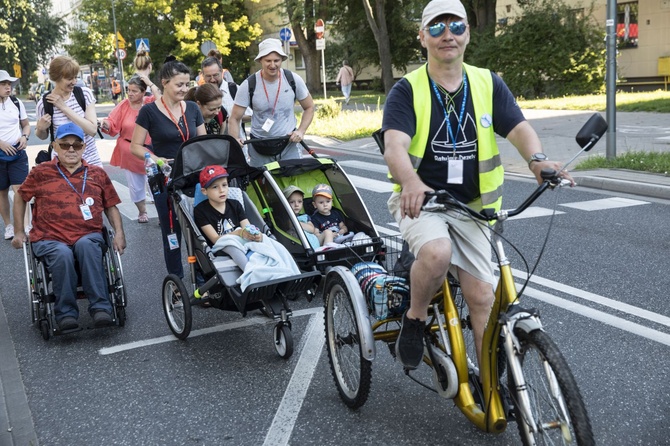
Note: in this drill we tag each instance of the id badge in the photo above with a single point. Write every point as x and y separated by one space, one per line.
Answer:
86 212
455 173
268 124
173 242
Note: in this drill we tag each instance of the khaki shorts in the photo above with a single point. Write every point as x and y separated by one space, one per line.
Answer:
471 243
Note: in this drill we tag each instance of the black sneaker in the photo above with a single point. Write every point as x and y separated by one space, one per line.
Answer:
102 319
68 323
409 345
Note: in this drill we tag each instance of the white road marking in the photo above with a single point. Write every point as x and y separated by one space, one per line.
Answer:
282 425
605 203
535 211
203 331
370 184
127 207
595 298
614 321
362 165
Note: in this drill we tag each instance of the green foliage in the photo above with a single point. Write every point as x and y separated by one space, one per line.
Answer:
549 51
328 109
354 41
28 35
172 27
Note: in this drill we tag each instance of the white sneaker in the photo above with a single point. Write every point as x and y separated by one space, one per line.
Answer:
9 232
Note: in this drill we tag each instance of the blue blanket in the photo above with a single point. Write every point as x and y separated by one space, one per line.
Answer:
269 260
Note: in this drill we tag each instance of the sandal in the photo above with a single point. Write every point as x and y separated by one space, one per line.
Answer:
143 218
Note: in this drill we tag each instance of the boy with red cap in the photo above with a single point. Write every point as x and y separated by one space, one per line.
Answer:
217 216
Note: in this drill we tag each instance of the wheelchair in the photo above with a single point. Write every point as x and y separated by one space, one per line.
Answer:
41 297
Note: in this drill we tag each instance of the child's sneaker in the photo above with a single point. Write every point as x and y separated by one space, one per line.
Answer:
9 232
340 239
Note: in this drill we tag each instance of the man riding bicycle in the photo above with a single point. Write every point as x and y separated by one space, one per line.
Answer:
439 129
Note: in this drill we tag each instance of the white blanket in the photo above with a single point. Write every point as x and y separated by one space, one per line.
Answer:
270 260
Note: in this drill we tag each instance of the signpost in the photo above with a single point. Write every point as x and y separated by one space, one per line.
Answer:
320 29
142 44
121 53
285 36
206 47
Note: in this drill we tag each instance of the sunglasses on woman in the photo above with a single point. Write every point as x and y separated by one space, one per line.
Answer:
455 28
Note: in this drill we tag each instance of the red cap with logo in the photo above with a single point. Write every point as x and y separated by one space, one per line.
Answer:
211 173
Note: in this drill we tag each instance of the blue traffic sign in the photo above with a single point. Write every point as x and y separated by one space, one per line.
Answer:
142 44
285 34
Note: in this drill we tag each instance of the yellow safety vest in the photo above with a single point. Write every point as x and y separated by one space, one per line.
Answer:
491 172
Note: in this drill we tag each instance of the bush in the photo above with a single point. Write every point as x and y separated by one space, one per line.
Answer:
548 51
328 109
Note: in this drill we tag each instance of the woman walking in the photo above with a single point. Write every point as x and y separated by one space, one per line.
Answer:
169 121
121 121
68 103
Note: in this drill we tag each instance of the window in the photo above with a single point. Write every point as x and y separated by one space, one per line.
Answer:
298 59
626 28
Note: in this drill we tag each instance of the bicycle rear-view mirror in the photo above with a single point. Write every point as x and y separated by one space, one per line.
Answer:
591 132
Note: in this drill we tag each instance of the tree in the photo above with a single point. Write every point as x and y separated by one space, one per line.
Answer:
28 34
481 14
174 27
575 66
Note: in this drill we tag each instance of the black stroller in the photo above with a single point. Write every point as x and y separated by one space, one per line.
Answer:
219 271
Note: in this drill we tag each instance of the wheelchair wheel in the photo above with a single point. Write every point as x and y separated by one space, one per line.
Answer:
283 340
177 306
351 371
44 329
121 316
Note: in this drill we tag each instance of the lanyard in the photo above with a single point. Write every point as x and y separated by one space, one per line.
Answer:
83 186
266 92
446 113
175 122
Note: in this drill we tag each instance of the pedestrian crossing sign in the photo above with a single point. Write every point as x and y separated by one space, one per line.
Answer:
142 44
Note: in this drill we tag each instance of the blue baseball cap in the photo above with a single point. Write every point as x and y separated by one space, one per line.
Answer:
69 129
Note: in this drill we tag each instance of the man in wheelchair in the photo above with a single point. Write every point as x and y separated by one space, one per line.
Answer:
69 198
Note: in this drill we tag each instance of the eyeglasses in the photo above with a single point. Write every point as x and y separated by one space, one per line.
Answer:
77 146
212 76
455 28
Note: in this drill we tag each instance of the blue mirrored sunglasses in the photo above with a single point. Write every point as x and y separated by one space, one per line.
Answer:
455 28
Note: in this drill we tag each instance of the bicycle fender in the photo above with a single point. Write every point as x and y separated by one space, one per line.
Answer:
360 309
527 324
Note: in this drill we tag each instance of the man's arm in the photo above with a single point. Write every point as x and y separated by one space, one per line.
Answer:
307 105
19 215
234 122
396 155
114 217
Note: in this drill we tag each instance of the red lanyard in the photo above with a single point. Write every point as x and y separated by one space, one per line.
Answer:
266 92
176 123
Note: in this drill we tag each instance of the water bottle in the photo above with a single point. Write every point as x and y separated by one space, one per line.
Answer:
165 168
150 166
380 299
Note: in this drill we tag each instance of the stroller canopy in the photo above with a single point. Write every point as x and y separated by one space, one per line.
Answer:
202 151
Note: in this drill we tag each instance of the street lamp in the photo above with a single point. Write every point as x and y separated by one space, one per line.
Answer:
118 59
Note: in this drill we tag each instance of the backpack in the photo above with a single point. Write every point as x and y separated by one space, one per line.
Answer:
45 155
251 80
16 102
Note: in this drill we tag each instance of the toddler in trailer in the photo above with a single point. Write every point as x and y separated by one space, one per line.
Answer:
325 218
316 238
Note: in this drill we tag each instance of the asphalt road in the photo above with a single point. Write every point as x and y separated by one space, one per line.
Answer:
599 288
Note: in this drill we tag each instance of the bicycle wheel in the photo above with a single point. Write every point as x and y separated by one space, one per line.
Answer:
555 403
177 306
351 371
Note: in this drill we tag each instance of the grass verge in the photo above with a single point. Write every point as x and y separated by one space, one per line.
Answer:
655 162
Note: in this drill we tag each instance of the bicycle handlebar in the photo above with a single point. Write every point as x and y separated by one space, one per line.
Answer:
442 200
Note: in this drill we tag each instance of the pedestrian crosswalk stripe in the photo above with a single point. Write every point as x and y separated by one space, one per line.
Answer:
370 184
362 165
605 203
535 211
127 207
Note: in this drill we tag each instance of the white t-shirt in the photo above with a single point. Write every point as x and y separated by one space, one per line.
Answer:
10 121
91 154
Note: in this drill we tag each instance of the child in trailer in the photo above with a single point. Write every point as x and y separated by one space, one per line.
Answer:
316 238
325 218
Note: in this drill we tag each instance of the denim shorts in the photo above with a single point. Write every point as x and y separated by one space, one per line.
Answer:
14 172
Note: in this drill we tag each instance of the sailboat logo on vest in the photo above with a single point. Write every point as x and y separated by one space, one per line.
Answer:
443 146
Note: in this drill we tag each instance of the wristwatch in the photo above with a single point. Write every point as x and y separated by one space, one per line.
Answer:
26 136
539 156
